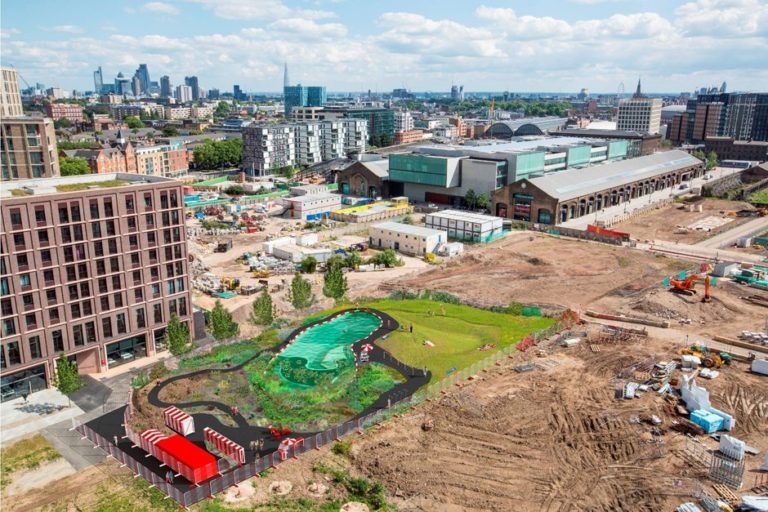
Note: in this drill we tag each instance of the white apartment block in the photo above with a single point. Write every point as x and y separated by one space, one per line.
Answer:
10 97
640 115
356 135
403 121
202 112
308 143
183 93
178 112
268 147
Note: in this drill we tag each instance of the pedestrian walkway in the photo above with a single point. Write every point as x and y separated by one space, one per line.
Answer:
20 418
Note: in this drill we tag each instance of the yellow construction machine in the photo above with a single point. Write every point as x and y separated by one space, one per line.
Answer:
230 283
708 359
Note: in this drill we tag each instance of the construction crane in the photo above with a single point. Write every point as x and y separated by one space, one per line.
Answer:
687 285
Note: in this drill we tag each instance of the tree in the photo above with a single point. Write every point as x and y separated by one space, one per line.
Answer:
385 140
387 258
353 260
335 261
471 199
134 131
235 190
482 202
133 122
67 379
222 109
335 285
407 220
699 154
222 325
170 131
177 336
262 310
73 166
301 292
711 160
288 172
309 265
62 123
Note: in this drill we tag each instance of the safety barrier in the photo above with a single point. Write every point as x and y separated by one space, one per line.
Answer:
234 475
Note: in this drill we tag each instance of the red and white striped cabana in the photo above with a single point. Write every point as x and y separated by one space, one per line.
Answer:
225 445
179 421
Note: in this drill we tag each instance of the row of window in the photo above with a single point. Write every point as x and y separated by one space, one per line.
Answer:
10 354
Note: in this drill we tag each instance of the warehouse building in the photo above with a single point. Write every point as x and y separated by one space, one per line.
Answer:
566 195
405 238
463 225
311 206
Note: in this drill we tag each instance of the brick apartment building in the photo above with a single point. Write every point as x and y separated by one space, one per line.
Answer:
28 148
729 149
89 272
71 111
168 160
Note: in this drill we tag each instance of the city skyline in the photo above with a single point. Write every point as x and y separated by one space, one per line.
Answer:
597 44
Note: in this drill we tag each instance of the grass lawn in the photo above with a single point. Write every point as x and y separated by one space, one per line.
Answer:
760 197
456 330
25 454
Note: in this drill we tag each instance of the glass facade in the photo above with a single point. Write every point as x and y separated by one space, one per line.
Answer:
380 121
126 350
579 155
301 96
528 164
618 149
22 383
424 170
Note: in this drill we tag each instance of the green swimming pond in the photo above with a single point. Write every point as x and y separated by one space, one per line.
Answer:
325 347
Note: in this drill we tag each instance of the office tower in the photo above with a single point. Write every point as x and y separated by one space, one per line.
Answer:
98 81
302 96
94 274
143 73
192 82
165 87
286 81
640 114
136 86
238 93
10 97
122 84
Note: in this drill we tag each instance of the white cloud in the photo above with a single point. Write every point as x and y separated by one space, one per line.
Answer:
6 33
259 10
161 7
737 18
68 29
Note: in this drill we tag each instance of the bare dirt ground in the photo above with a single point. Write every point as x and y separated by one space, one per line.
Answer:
553 440
532 268
671 222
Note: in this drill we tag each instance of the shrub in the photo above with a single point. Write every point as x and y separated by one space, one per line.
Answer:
341 448
158 371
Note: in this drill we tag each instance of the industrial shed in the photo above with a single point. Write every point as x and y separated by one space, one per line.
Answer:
559 197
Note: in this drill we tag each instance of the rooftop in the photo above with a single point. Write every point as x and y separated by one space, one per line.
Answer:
378 167
41 186
408 229
520 145
586 132
464 215
311 197
573 183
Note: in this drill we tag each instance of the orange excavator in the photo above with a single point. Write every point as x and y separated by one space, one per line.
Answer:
686 286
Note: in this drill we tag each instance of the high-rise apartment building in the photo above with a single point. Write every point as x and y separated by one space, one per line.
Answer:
742 116
403 121
98 81
28 148
165 87
266 148
192 82
90 273
381 121
640 114
10 96
183 93
303 96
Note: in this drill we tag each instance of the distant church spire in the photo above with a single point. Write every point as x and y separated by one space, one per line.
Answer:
638 93
286 82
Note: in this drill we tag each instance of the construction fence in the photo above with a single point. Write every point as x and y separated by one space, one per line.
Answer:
232 475
558 231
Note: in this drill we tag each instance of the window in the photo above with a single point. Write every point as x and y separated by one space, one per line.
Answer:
110 224
121 328
172 307
108 211
133 241
135 260
42 237
66 235
136 277
87 308
40 215
166 219
129 203
138 295
157 311
132 223
18 240
50 295
14 354
5 288
163 201
35 351
82 271
148 201
9 327
150 218
25 280
75 211
6 307
16 218
71 273
112 246
94 206
153 256
69 255
31 320
101 268
141 321
106 327
154 273
63 214
116 283
77 230
98 249
28 300
75 310
77 335
53 315
45 257
85 290
73 292
114 264
103 285
151 240
156 290
118 297
57 341
90 332
22 261
104 303
96 230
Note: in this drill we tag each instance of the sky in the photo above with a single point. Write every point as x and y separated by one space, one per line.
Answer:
422 45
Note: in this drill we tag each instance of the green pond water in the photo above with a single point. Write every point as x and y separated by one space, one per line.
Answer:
323 347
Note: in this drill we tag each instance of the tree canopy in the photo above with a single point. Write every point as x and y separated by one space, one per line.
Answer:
309 265
221 324
263 311
217 154
67 379
177 336
170 131
133 122
73 166
301 292
335 285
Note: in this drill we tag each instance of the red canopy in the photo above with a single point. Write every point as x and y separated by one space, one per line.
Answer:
188 459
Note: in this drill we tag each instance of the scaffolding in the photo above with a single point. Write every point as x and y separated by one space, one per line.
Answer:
727 471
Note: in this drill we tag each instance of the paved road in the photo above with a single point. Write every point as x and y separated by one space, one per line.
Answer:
698 253
726 239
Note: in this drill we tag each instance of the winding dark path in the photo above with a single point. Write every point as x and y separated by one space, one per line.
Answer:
110 424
